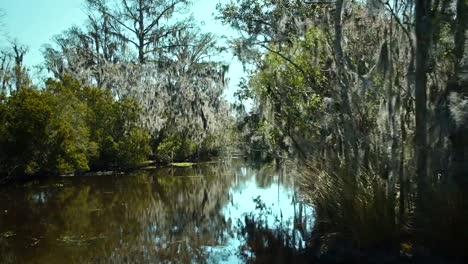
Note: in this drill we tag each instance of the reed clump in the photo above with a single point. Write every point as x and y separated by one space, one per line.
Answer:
352 211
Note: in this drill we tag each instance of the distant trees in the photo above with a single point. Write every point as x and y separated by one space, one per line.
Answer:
20 71
13 74
145 24
77 53
142 50
6 73
113 33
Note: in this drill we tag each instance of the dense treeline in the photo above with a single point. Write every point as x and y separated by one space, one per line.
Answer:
67 128
371 97
138 80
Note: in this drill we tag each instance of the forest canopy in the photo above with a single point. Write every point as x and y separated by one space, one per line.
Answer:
371 98
142 82
368 98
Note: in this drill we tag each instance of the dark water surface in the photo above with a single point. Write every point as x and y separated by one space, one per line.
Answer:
225 212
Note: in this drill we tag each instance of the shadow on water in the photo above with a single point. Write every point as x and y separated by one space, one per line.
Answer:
218 212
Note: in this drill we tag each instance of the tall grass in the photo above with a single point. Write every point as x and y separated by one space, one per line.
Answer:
356 210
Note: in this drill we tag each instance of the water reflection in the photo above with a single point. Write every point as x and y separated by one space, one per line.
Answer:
217 212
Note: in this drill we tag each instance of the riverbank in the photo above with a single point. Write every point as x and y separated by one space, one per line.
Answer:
147 165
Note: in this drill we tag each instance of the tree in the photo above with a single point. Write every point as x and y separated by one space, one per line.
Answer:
115 137
191 83
141 23
457 87
386 84
26 116
13 74
75 54
20 72
6 73
423 9
68 128
108 48
179 93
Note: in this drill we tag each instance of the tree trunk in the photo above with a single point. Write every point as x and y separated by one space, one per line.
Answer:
349 140
459 85
19 73
141 34
423 38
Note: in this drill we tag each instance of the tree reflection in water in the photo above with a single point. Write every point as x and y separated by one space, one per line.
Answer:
214 212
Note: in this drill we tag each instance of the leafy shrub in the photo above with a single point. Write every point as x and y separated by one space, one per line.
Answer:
176 148
68 128
133 148
69 142
26 115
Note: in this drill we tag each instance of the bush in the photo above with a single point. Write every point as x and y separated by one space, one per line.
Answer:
133 148
176 148
25 139
115 136
70 146
68 128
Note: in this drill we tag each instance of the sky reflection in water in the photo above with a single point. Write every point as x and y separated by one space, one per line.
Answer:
168 215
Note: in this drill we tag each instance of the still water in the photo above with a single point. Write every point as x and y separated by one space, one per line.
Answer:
220 212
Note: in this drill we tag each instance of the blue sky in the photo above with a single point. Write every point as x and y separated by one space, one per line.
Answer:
35 22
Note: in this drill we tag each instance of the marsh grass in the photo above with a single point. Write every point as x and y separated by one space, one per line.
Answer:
357 215
357 211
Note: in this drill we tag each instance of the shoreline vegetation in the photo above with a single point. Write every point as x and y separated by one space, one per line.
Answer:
149 165
370 98
367 98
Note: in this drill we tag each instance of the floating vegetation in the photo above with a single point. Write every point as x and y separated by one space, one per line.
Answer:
7 234
79 240
35 241
182 164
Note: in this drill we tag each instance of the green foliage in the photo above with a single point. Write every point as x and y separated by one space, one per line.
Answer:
68 128
289 93
366 91
133 147
176 147
24 138
116 139
173 143
70 145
